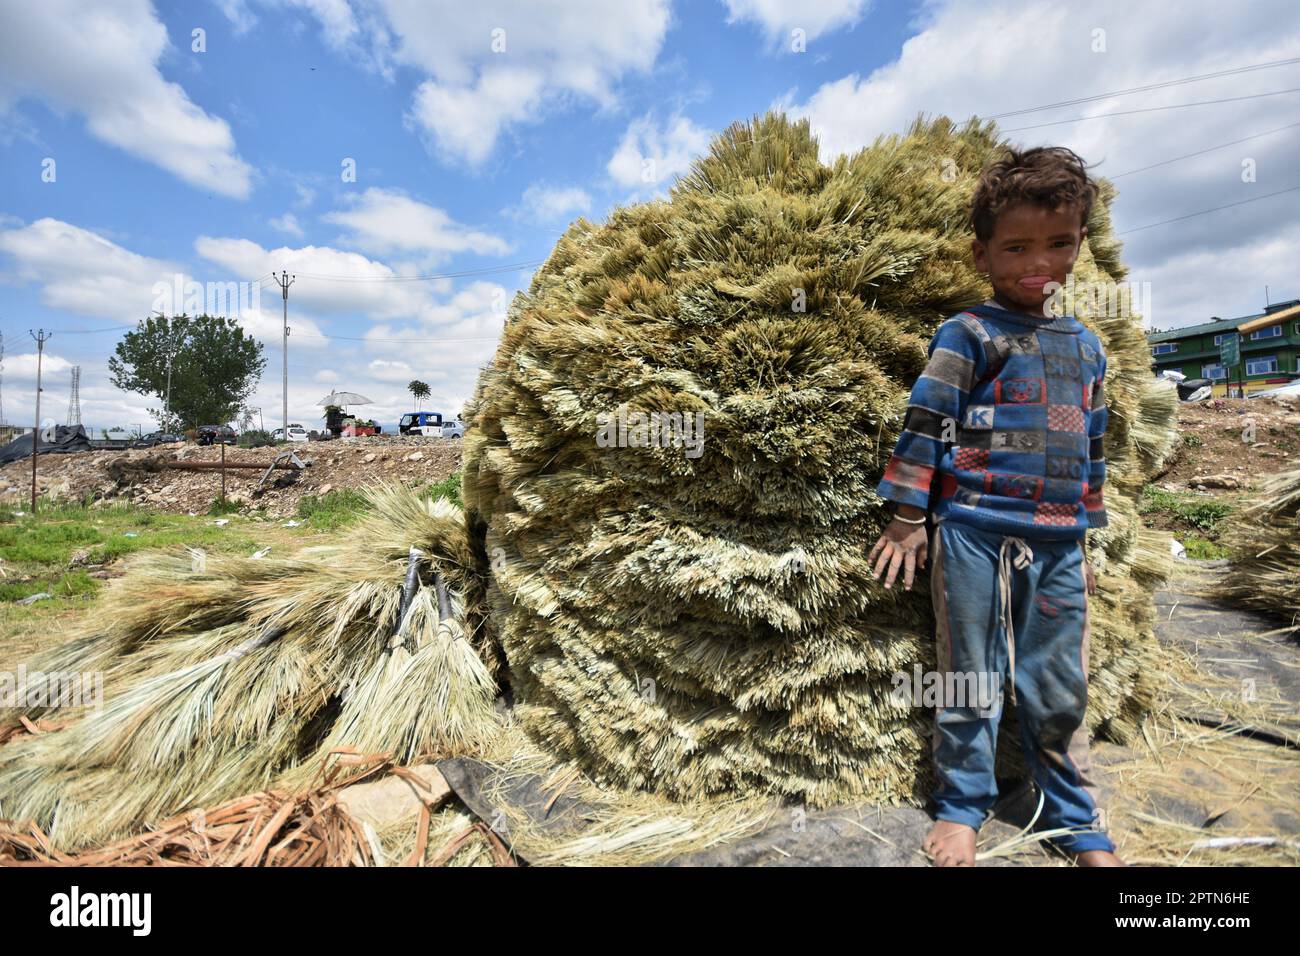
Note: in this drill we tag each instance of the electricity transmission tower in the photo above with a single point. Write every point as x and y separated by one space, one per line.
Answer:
74 402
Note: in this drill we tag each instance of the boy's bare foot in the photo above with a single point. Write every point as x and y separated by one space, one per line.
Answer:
950 844
1098 858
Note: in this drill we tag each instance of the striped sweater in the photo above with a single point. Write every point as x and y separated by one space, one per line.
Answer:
1009 415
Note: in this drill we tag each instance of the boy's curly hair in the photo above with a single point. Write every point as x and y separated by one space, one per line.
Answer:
1050 176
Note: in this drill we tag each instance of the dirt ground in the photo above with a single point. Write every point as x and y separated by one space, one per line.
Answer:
346 463
1215 439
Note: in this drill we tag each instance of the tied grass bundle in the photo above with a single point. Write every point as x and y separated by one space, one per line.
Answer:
249 672
702 620
1265 571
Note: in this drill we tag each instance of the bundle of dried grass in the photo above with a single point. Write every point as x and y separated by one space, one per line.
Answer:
1265 571
224 678
699 619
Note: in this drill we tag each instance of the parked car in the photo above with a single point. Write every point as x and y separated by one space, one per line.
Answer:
412 421
445 430
296 433
216 435
154 439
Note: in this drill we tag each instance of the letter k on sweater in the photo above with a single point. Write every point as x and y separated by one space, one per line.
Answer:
1024 398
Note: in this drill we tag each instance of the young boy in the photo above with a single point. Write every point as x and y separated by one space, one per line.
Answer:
1009 415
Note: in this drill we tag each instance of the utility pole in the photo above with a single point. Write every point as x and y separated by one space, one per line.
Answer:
41 337
284 280
171 352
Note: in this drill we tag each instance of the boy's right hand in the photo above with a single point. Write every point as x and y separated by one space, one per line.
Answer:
901 545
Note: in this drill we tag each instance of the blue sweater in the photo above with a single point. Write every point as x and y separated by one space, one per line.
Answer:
1009 415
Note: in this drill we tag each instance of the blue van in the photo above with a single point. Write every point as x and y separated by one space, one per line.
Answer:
418 420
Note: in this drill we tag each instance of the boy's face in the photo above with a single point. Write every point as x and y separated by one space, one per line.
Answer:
1030 247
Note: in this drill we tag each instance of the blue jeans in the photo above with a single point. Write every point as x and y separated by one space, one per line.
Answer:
1007 607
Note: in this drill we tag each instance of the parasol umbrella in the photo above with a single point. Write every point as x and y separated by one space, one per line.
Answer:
343 399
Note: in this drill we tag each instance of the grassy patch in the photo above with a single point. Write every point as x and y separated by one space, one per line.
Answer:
1203 549
342 507
59 549
449 487
222 507
1203 514
1194 520
333 510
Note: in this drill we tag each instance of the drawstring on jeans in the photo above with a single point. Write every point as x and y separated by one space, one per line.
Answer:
1005 562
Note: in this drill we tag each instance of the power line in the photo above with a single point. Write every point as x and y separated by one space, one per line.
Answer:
1152 109
424 278
1202 152
1191 215
354 338
1271 64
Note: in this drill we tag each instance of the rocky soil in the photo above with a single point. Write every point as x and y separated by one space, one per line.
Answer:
137 476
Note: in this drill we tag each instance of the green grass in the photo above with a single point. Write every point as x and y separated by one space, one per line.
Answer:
1196 521
332 511
37 552
221 507
340 508
449 487
1192 441
1203 514
1203 549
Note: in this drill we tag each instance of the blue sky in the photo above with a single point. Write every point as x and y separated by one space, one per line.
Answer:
225 164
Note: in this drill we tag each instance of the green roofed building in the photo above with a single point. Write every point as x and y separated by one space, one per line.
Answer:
1269 349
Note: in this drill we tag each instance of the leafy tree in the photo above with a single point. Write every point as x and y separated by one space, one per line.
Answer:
214 367
419 391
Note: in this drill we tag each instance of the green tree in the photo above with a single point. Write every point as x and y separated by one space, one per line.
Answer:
419 391
214 368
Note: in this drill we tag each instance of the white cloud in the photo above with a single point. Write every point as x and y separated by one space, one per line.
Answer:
338 24
467 120
649 154
545 53
241 18
100 60
266 324
287 223
778 17
1033 52
385 221
365 287
548 203
326 376
1190 287
390 371
82 272
21 368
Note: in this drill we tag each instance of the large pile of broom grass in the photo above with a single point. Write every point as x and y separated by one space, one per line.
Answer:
710 625
249 673
1265 543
